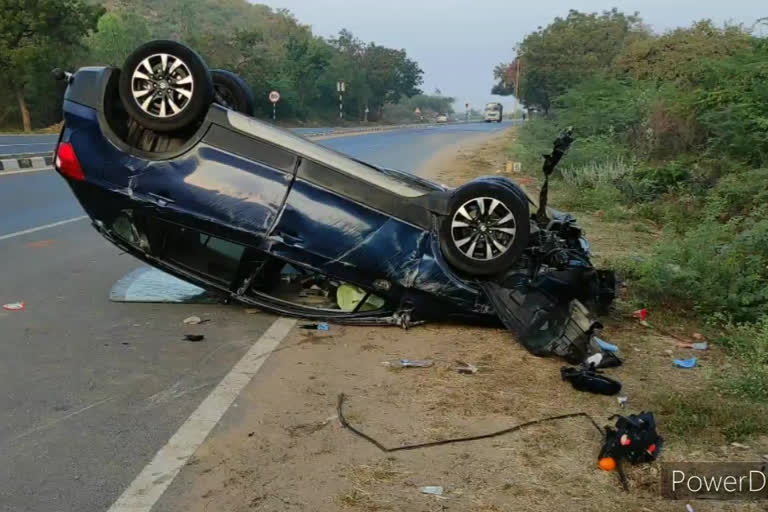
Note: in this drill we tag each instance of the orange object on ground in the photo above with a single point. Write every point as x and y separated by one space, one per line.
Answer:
607 464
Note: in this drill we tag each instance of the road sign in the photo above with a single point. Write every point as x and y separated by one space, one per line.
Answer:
340 86
274 96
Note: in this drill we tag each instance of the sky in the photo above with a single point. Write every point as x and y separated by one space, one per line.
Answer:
458 42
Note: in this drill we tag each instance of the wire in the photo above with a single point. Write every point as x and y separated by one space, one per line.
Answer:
430 444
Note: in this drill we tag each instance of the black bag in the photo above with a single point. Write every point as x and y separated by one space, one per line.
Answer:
634 439
590 380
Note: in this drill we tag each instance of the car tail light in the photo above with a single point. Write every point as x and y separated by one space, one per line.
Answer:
66 162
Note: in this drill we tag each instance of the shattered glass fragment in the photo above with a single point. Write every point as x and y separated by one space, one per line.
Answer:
146 284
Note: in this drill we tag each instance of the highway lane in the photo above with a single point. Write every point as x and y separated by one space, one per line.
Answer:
20 144
91 389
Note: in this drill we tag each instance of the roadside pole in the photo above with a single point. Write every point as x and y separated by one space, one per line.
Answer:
274 97
340 87
466 106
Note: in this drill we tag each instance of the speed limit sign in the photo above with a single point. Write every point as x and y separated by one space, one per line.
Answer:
274 96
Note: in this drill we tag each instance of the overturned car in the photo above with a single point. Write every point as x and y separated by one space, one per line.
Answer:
167 161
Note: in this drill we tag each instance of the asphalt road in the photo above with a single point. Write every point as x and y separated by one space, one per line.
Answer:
20 144
90 389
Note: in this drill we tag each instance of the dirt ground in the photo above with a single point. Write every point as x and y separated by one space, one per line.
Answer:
288 452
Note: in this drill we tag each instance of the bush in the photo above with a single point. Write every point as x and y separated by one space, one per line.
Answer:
714 269
660 179
732 104
534 139
748 343
610 107
607 171
739 195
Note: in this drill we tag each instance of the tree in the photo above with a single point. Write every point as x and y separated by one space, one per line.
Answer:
567 51
118 34
38 34
678 54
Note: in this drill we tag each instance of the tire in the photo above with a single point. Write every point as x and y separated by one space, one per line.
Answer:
233 92
466 235
173 101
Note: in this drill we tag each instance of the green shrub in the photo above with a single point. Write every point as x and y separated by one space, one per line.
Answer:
713 268
535 138
588 199
739 195
749 344
731 103
662 178
605 171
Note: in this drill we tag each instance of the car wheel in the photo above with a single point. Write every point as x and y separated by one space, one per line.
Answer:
232 92
165 86
486 230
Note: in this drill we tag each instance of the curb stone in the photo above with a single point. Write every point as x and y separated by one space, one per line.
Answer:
31 161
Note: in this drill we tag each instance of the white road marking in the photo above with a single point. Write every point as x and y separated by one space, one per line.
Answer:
154 479
40 228
22 171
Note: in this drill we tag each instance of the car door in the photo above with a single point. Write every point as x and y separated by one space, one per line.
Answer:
228 179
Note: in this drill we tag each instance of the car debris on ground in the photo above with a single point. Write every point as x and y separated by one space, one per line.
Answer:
466 368
609 347
701 345
322 326
685 363
194 337
409 363
193 320
633 439
14 306
436 490
590 380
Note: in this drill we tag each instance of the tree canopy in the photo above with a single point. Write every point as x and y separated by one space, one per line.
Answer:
269 48
565 52
35 35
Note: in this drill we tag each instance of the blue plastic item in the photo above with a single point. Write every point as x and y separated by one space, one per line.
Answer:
685 363
605 345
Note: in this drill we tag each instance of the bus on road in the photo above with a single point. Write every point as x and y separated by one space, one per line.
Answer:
493 112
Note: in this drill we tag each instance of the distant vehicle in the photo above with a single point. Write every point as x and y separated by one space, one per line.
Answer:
442 118
493 112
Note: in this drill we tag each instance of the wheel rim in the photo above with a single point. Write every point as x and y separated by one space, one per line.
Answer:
483 228
162 85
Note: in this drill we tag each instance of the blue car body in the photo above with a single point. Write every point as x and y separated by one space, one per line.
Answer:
263 194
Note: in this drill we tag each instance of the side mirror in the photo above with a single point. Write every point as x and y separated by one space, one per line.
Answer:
59 74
